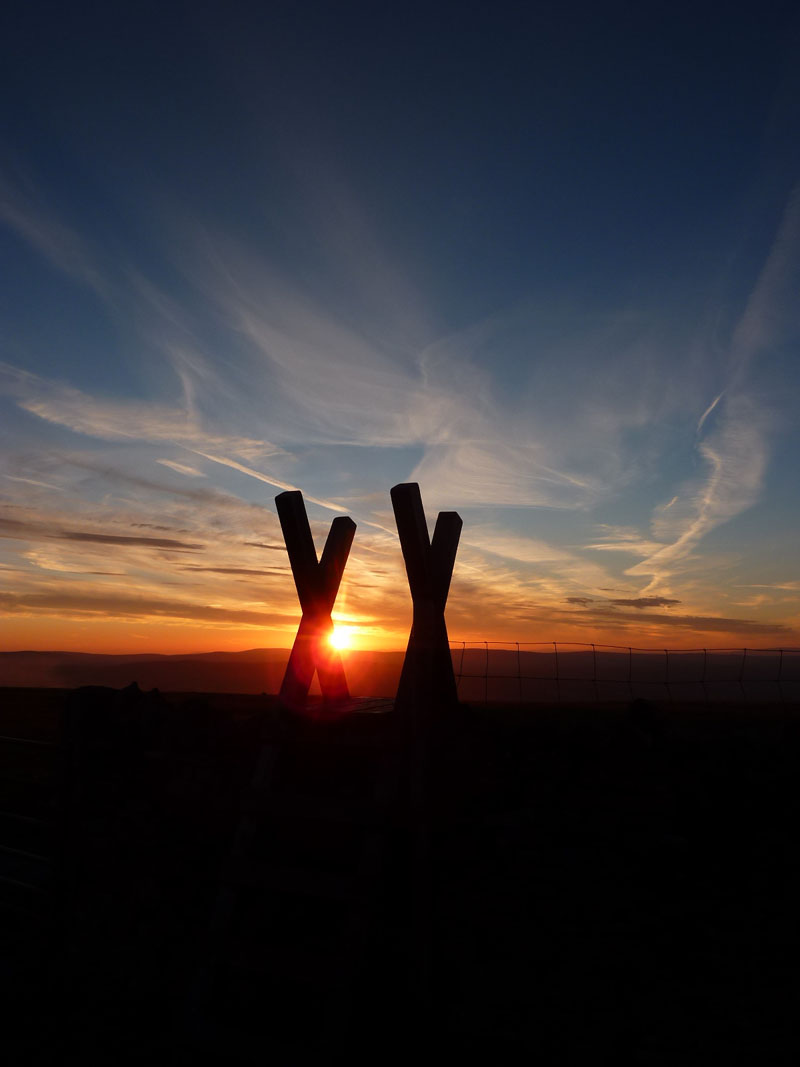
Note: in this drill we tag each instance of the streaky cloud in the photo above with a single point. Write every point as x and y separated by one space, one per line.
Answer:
736 459
34 481
772 311
645 602
18 529
253 572
590 617
181 468
274 482
114 539
112 605
703 418
120 420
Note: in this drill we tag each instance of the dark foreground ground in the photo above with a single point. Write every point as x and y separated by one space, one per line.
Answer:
195 879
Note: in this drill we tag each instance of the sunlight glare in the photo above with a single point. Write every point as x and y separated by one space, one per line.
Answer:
340 638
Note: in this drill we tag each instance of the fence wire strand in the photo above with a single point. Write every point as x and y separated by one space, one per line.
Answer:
563 672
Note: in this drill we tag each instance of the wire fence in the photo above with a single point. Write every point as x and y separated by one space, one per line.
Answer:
567 673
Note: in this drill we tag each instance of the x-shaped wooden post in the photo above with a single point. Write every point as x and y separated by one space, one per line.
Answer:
317 585
427 677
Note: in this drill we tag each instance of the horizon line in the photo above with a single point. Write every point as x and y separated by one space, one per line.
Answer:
461 644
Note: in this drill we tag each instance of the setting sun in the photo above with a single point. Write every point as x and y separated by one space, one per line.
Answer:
340 638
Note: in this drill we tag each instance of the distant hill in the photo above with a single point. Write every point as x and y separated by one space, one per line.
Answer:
258 670
496 675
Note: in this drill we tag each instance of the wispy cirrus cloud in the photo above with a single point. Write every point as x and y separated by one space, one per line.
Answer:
709 409
121 501
23 211
500 542
181 468
127 421
736 451
33 481
320 379
115 605
274 482
558 439
591 617
645 602
735 455
792 587
120 420
771 313
625 539
55 558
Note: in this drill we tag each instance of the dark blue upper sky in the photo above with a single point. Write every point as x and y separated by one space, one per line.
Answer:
612 144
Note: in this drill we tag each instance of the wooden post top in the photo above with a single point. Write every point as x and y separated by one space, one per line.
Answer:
429 564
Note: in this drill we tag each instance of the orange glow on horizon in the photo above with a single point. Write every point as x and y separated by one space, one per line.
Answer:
158 636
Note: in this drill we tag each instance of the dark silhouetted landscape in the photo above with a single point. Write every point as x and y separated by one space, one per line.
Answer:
209 876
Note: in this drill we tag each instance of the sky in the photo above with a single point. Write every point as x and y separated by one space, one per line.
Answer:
542 259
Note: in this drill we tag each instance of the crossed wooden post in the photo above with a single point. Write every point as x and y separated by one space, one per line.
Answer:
427 690
317 585
427 678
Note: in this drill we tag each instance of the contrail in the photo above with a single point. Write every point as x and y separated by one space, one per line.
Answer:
708 410
264 478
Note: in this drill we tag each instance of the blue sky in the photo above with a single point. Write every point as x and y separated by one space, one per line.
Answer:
544 262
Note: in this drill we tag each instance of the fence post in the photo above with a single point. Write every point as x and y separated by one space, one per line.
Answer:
705 666
741 674
486 672
461 664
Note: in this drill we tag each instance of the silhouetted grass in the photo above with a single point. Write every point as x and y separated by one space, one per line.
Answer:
602 882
